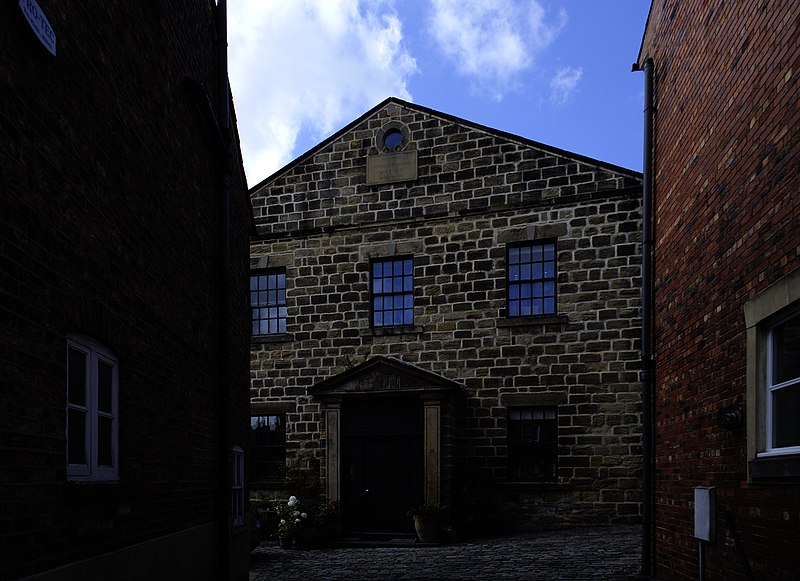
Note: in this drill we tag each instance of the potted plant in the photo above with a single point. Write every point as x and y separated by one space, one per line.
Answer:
428 522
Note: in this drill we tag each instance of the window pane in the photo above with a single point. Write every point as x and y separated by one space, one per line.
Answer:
549 252
398 317
513 308
786 351
513 256
408 301
377 270
76 377
549 306
513 273
549 269
253 283
786 417
76 437
104 457
104 386
377 303
408 317
378 319
377 286
408 283
408 266
525 272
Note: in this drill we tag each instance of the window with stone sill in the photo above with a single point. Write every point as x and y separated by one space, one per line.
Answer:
392 292
532 444
268 302
773 381
531 279
268 447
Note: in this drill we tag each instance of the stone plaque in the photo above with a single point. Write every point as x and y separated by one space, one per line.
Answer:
388 168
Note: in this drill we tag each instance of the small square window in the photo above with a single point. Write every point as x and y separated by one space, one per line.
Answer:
531 279
392 292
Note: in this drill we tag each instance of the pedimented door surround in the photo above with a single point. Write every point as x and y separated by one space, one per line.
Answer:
384 377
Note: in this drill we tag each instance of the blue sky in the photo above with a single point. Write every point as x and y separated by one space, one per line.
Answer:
557 72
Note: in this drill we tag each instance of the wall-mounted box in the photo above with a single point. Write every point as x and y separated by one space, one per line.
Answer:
704 512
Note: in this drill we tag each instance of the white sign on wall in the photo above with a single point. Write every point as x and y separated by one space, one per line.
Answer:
38 21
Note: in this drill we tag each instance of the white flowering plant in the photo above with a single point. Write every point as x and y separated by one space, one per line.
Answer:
291 517
304 523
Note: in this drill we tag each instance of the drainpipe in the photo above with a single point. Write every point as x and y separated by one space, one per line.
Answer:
647 323
224 193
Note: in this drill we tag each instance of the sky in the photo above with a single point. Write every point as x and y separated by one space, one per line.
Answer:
554 71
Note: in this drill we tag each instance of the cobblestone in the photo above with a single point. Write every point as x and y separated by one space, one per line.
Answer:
590 554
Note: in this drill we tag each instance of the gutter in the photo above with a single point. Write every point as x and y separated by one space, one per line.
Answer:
224 375
647 373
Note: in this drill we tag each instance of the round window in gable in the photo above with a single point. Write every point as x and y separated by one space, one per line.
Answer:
393 139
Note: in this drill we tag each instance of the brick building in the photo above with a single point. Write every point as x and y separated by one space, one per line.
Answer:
447 313
727 285
123 358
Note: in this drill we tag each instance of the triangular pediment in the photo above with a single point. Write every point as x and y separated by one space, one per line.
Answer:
447 165
383 376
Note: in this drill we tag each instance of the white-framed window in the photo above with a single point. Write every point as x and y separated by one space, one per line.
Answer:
773 381
237 486
783 386
92 411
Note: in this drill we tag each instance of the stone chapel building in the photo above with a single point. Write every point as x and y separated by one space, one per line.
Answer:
447 313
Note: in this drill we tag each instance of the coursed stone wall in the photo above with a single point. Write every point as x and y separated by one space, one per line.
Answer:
476 191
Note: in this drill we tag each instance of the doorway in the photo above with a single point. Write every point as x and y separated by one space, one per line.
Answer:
382 463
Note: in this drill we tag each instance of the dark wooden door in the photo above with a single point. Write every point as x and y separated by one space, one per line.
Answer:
382 464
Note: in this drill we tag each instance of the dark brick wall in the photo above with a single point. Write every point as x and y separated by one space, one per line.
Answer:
476 192
727 224
109 228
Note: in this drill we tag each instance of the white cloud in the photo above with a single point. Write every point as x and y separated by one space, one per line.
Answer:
492 41
564 83
309 66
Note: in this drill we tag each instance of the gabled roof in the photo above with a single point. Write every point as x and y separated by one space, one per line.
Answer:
383 376
453 119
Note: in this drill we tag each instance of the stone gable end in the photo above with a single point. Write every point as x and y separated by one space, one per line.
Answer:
456 200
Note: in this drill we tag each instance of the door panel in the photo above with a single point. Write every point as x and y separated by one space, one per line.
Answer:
383 464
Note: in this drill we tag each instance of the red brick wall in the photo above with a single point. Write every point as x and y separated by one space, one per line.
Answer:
727 225
109 228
